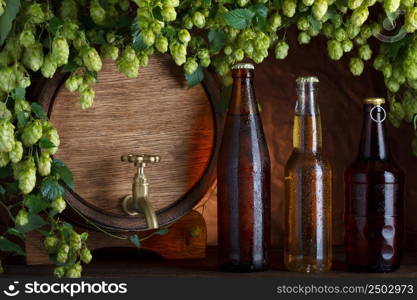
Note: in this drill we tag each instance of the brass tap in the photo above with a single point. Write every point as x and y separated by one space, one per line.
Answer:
139 200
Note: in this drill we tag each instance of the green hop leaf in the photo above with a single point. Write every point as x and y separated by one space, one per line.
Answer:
7 18
239 18
135 240
195 77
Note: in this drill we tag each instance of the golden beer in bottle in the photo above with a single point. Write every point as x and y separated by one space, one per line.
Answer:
308 189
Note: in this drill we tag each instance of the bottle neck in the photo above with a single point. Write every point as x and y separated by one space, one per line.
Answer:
373 144
243 99
307 134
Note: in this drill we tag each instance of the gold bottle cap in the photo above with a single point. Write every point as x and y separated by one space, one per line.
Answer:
243 66
307 79
374 101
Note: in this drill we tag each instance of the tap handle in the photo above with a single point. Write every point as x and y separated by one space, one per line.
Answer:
141 159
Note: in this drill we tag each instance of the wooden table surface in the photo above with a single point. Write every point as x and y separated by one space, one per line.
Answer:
127 263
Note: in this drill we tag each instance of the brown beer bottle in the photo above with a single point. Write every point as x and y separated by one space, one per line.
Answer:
243 181
374 199
308 189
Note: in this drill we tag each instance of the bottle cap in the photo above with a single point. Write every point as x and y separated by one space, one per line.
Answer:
307 79
374 101
243 66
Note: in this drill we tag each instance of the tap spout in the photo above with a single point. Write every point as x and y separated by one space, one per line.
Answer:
140 198
138 201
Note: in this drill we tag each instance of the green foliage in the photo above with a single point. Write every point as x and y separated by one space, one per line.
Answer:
162 231
239 18
216 39
8 246
195 78
134 239
59 170
7 18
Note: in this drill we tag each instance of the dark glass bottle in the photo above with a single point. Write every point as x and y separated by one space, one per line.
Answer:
374 199
243 181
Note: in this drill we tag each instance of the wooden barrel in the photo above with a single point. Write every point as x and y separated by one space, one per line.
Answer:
154 114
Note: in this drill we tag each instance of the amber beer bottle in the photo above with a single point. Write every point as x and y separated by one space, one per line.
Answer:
374 199
308 189
243 181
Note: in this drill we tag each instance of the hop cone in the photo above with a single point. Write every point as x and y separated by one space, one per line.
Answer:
7 140
32 133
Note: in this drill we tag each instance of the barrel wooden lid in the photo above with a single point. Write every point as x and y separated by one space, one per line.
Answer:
154 114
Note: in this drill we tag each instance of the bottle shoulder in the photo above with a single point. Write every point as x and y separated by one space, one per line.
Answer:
307 160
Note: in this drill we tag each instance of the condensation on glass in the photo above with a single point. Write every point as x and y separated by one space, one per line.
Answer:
243 181
308 188
374 221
